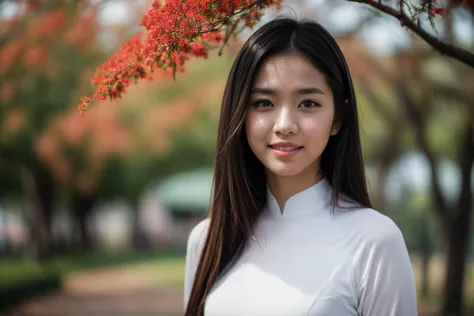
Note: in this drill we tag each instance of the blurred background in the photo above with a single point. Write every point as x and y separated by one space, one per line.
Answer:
95 211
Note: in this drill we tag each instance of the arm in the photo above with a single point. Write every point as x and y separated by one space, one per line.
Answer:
194 246
387 285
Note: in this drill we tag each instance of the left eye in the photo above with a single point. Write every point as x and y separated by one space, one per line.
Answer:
308 104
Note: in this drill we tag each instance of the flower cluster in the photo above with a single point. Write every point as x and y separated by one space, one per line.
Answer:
433 11
175 30
63 143
42 34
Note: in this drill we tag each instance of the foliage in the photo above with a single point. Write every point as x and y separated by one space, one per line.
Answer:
75 149
175 30
17 270
21 279
170 132
14 293
43 56
418 224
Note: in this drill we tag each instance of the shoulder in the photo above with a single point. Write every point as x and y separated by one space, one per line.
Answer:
376 241
370 226
195 244
380 228
383 274
197 236
371 236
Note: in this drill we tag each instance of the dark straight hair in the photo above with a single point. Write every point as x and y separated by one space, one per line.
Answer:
239 190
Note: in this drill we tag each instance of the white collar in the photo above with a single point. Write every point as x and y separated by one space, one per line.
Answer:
316 198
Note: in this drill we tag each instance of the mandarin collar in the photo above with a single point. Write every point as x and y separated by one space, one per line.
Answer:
313 199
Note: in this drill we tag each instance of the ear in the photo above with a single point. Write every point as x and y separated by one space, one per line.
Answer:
336 128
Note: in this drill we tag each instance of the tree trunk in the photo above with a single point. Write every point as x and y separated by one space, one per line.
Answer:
455 269
456 256
426 253
139 238
425 269
3 219
82 206
39 193
458 233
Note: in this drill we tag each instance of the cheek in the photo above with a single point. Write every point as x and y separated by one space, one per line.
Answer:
322 129
318 129
256 127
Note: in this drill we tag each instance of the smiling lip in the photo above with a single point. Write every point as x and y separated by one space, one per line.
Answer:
285 149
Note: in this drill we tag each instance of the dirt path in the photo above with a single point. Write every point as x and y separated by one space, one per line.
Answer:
117 292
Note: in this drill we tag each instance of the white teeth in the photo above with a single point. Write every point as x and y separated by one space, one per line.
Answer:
286 148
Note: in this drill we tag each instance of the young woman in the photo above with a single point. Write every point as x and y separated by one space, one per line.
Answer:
291 230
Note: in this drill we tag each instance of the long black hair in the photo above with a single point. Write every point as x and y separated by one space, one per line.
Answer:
239 191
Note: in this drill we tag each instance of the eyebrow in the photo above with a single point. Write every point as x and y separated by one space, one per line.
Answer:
300 91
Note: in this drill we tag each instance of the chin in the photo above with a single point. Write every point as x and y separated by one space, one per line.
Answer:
285 171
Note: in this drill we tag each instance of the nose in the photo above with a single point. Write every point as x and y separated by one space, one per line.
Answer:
285 122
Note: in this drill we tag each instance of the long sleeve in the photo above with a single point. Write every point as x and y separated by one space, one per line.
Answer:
194 247
387 284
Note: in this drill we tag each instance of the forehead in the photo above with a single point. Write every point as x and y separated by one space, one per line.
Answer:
288 70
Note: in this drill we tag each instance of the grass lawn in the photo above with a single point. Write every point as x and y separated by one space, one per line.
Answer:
14 270
167 271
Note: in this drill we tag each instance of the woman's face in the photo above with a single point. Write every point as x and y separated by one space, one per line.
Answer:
290 116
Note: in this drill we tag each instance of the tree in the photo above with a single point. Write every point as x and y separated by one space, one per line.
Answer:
43 53
176 30
422 102
117 152
75 151
411 16
382 122
427 103
456 217
172 129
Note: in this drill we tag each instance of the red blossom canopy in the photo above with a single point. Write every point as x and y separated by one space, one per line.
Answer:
175 30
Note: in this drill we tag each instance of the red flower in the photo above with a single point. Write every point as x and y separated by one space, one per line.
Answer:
439 11
175 31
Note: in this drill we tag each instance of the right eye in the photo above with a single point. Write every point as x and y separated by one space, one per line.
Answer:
262 104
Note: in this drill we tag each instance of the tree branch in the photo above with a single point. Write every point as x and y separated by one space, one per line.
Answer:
452 91
453 51
414 114
418 123
455 93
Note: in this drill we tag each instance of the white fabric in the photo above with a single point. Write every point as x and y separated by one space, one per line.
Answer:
309 261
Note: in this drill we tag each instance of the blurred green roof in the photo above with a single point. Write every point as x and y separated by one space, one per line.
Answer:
187 191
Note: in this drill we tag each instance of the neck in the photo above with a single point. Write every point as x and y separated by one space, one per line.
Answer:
284 187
